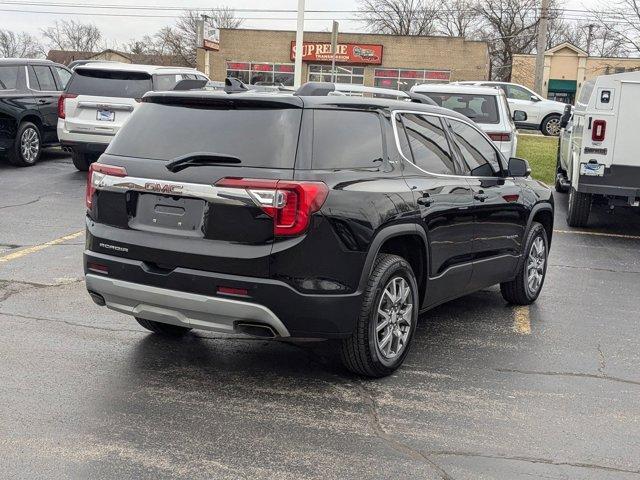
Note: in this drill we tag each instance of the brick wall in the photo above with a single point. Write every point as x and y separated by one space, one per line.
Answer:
467 60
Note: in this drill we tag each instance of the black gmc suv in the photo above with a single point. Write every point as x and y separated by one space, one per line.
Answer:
308 216
29 93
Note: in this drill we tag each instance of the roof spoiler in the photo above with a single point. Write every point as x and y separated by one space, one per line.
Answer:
323 89
233 85
190 84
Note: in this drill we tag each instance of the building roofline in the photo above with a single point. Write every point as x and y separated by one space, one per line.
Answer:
532 55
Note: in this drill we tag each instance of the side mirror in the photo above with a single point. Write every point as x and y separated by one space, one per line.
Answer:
519 116
534 98
518 167
566 116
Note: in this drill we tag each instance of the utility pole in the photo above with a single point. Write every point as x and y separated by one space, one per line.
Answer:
590 28
541 46
334 48
297 75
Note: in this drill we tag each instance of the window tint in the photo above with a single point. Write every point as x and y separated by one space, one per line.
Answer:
258 137
64 76
344 139
518 93
428 144
44 76
163 83
479 108
8 78
477 152
585 93
109 83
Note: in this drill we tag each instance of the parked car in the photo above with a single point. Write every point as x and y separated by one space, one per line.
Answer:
486 106
29 92
100 98
598 152
308 216
542 114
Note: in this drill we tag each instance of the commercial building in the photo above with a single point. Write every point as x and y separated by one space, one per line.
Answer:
390 61
566 68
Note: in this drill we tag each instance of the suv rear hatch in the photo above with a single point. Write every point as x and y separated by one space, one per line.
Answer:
203 213
99 101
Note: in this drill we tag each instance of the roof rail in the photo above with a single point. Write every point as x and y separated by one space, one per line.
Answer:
323 89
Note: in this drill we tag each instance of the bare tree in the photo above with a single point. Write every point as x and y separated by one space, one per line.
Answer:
591 37
400 17
19 45
459 18
72 35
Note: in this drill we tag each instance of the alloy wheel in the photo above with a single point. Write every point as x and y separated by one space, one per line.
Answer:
29 145
536 265
394 318
553 126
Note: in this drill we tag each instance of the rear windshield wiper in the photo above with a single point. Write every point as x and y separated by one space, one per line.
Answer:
200 159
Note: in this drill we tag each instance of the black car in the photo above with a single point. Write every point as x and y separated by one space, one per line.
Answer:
29 92
308 216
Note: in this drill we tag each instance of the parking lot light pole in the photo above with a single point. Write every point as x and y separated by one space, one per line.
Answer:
297 76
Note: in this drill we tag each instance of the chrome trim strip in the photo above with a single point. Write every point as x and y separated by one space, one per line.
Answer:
203 191
111 106
417 112
472 262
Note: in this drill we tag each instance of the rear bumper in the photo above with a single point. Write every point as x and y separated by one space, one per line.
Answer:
92 142
190 297
85 147
618 181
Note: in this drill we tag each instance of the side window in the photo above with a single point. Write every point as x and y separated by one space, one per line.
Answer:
163 83
428 143
45 78
478 153
64 75
346 139
518 93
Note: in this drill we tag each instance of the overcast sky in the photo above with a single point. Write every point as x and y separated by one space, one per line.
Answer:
121 29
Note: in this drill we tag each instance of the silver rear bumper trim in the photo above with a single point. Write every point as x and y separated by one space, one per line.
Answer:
181 308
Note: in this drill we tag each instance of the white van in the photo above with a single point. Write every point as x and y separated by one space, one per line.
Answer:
101 96
599 150
486 106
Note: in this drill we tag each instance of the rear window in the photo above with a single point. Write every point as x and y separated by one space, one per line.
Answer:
344 139
479 108
258 137
109 83
8 78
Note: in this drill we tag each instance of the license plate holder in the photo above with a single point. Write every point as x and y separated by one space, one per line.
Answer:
172 215
103 115
592 169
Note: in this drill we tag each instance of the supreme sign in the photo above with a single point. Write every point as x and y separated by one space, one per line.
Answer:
345 52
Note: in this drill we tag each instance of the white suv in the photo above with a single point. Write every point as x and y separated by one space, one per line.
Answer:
99 98
486 106
542 114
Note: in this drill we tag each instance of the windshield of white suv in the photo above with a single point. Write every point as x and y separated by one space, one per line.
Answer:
109 83
479 108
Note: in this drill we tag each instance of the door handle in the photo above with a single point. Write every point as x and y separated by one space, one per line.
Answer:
480 196
41 101
425 200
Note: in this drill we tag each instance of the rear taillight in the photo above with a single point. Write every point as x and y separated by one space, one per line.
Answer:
500 137
96 172
598 130
289 203
61 99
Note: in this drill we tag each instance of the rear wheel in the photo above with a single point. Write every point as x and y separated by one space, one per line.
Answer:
551 126
82 160
163 328
579 208
387 320
27 147
525 288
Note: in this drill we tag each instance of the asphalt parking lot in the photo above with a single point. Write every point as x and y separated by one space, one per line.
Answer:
487 392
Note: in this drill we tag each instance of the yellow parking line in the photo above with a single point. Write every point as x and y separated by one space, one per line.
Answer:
36 248
521 322
599 234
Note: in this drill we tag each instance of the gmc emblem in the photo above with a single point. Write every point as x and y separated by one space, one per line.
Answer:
162 188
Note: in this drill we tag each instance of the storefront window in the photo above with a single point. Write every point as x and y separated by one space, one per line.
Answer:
404 78
344 74
262 73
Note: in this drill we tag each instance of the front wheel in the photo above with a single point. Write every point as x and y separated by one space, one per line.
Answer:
387 321
525 288
551 126
560 188
165 329
27 147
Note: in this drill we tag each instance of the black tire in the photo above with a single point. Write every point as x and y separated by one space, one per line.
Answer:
163 328
518 291
82 160
27 133
361 352
559 171
551 126
579 208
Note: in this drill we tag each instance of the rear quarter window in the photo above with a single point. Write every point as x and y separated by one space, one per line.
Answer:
346 139
109 83
9 77
479 108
